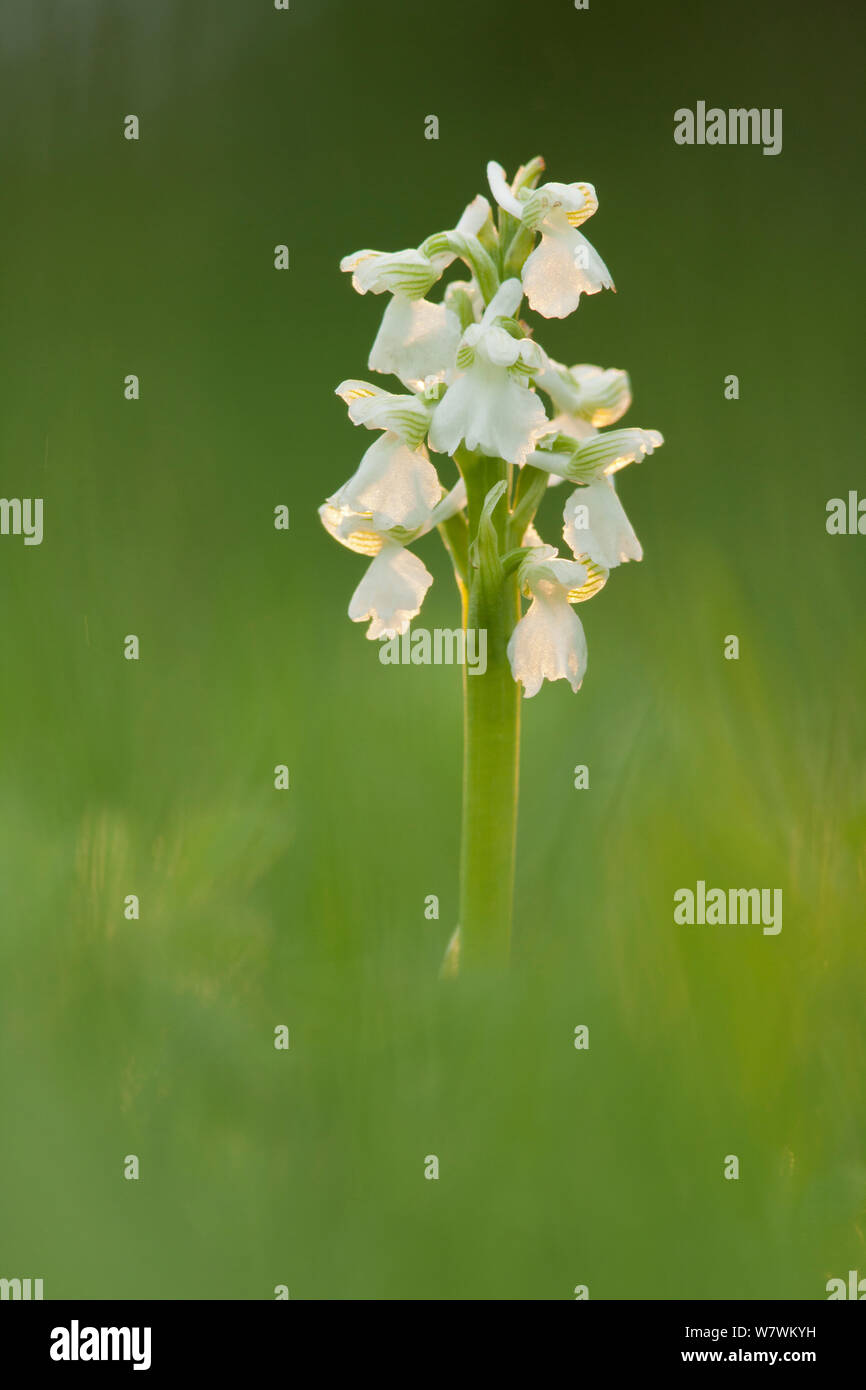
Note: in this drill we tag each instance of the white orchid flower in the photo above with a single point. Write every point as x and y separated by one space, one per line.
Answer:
392 590
489 407
417 341
600 396
395 485
406 416
562 268
564 265
408 273
549 643
595 524
593 453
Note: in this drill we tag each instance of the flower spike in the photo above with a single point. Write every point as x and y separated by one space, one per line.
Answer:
481 397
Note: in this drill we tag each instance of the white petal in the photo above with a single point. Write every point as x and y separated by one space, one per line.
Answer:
540 554
545 574
599 396
401 272
473 217
531 354
596 525
473 336
578 201
355 530
451 416
548 644
491 411
394 486
351 530
452 503
504 303
391 592
369 405
417 341
603 395
556 380
609 452
352 390
562 268
500 348
501 190
573 426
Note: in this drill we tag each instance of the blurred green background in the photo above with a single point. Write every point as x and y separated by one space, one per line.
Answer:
306 908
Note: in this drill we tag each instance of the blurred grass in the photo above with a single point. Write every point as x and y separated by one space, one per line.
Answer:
307 908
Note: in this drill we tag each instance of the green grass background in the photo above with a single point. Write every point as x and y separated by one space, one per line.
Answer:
307 908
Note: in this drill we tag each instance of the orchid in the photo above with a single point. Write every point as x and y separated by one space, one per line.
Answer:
393 588
549 642
417 340
564 265
479 395
396 484
587 393
489 407
595 522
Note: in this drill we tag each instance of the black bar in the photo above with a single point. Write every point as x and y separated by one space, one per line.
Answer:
219 1339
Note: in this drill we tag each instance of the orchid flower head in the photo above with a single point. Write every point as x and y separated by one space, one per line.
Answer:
478 387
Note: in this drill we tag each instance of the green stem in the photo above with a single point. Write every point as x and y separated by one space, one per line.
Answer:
491 746
455 536
531 487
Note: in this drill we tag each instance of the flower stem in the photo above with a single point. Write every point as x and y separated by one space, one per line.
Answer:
491 731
